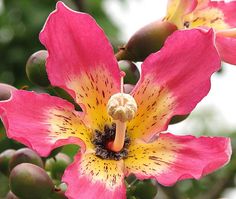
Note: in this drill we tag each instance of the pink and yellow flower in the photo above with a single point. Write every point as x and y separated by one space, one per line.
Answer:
82 62
219 15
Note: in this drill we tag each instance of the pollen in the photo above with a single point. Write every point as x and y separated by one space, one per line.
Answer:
101 141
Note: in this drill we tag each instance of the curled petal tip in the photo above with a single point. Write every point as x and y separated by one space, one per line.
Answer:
60 5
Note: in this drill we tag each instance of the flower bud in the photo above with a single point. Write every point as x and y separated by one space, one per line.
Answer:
10 195
5 157
36 68
145 189
128 88
122 107
5 91
29 181
145 41
25 155
57 165
132 73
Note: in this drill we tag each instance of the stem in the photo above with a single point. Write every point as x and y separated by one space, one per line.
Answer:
122 54
118 143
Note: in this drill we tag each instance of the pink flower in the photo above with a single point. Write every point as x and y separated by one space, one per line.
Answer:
82 62
218 15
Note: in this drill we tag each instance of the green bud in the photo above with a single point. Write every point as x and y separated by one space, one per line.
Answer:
178 118
145 189
57 165
28 181
131 71
5 91
131 178
36 68
25 155
5 157
10 195
128 88
145 41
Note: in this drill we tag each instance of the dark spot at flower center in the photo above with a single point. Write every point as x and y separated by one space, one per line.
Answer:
101 140
186 24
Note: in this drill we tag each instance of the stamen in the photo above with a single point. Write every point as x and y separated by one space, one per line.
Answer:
122 108
103 142
118 143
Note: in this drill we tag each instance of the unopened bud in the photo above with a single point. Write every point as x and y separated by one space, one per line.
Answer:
36 68
30 182
145 189
128 88
122 107
10 195
145 41
132 73
5 157
25 155
57 165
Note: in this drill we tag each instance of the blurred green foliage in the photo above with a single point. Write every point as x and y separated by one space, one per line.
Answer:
20 24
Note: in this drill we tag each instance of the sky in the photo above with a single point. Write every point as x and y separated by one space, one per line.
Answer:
222 96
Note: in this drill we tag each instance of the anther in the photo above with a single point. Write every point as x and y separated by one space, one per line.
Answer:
122 107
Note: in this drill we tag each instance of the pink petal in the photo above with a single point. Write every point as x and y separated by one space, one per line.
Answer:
93 177
227 48
228 10
81 60
172 158
42 122
173 81
212 14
